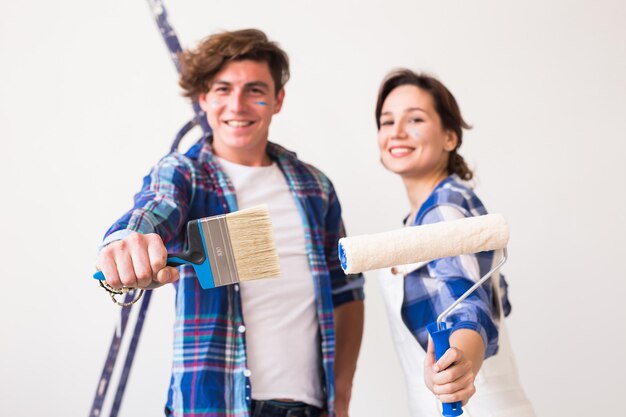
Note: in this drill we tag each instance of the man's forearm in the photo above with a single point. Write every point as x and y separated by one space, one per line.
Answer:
348 334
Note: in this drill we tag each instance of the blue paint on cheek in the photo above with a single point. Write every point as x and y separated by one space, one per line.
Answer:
415 134
215 103
262 103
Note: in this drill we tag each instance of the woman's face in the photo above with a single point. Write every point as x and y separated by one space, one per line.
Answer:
411 139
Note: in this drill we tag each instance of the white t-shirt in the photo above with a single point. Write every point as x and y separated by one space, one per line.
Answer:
281 326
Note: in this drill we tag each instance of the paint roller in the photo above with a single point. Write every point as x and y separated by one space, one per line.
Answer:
425 243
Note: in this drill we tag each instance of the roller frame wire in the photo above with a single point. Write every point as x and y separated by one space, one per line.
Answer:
467 293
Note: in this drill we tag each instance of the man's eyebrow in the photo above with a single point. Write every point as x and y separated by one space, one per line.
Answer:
247 85
258 84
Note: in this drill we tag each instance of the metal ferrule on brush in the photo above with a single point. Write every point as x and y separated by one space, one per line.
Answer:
219 250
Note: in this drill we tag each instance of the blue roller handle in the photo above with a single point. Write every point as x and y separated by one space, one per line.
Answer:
171 261
441 340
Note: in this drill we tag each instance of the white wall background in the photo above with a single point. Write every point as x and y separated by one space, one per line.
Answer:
89 101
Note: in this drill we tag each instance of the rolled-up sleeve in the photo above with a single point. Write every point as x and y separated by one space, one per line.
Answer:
162 204
456 275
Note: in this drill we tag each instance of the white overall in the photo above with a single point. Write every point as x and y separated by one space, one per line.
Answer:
498 391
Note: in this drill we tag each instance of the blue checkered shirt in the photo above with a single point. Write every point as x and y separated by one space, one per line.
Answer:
209 372
429 290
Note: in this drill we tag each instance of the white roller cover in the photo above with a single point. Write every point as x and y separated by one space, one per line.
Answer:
423 243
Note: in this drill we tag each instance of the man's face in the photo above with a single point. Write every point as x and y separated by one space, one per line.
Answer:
239 105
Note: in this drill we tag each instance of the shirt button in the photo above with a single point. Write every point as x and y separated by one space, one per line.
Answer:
247 372
236 287
241 328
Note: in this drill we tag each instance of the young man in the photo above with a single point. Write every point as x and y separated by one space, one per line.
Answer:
277 347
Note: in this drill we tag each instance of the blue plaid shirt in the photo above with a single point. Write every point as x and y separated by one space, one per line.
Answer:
209 373
429 290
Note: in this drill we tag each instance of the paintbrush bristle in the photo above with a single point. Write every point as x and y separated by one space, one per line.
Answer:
252 240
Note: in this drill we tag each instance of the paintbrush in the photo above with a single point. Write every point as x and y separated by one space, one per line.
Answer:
229 248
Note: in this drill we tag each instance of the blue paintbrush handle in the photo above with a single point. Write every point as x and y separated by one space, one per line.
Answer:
171 261
441 340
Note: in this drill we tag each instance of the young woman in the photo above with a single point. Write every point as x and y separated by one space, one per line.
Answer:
420 129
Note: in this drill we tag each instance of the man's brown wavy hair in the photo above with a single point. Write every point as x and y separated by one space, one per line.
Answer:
199 66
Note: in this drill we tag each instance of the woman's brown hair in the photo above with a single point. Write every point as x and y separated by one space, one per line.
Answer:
199 66
445 106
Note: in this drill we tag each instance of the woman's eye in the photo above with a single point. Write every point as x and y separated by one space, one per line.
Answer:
417 120
386 123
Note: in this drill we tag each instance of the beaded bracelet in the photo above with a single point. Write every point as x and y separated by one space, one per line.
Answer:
120 291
